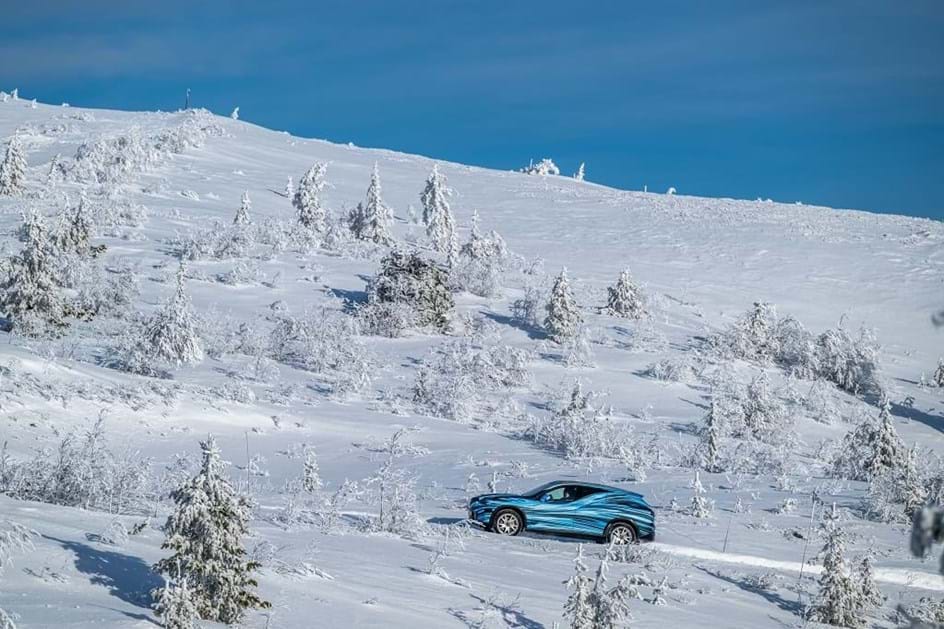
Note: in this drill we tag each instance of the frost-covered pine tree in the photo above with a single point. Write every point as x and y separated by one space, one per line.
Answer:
171 334
242 214
870 596
74 232
30 294
711 439
579 175
563 314
311 478
205 533
176 606
610 606
307 200
371 220
290 187
235 114
885 448
839 599
481 262
437 215
938 377
13 169
625 299
578 609
702 507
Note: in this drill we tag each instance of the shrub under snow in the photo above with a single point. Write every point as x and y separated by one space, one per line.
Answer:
410 282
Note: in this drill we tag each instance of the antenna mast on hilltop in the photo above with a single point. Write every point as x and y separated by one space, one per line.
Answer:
187 105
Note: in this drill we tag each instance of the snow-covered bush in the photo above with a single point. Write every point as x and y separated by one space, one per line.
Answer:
701 507
681 369
393 489
372 219
592 604
481 263
625 298
563 314
459 380
526 310
83 471
415 282
323 341
580 427
544 167
13 169
581 172
850 362
205 534
171 334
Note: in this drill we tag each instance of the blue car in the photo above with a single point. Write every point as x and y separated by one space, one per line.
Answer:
566 507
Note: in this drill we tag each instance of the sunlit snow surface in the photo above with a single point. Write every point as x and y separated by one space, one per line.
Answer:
702 262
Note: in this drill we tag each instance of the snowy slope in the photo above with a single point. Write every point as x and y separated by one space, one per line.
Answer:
702 261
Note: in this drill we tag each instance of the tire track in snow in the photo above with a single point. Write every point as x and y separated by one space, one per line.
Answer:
891 576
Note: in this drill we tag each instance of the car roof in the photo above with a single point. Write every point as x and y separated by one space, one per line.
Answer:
579 483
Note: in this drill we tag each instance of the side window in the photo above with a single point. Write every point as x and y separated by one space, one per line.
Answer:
582 492
555 495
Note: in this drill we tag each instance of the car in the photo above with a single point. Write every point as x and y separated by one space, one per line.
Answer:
610 514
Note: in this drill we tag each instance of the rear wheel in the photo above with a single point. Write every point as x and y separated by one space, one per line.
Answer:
621 533
507 522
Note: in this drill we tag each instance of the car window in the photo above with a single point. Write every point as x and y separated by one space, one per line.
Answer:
565 493
555 495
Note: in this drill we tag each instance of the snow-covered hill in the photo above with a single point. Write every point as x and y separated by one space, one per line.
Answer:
157 181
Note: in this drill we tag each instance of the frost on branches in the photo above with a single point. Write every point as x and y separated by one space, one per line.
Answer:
563 314
871 448
544 167
839 601
701 507
172 333
407 281
242 214
307 200
625 299
205 534
13 169
581 172
31 296
481 262
393 488
938 378
592 604
372 219
437 215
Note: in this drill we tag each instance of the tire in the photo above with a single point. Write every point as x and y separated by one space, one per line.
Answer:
507 522
621 533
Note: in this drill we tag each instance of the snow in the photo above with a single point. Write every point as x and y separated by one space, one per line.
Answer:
701 263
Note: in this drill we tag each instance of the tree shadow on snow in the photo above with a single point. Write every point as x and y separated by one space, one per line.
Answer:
508 612
351 298
533 332
794 607
128 578
908 412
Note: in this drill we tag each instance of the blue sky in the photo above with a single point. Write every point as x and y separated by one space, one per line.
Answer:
836 103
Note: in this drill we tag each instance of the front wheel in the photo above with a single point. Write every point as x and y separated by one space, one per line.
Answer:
621 533
507 522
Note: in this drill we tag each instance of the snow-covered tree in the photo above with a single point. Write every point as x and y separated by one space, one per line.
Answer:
610 605
762 414
710 439
242 214
13 169
839 599
171 335
927 529
579 175
235 114
205 534
701 507
437 215
870 596
371 220
74 232
307 200
625 299
938 377
578 609
871 448
176 606
311 479
563 314
411 281
290 187
393 488
31 295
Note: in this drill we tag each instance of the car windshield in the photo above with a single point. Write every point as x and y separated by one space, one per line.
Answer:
537 490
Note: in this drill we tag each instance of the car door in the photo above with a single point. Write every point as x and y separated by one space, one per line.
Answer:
558 510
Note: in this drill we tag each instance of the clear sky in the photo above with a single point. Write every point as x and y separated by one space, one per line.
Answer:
835 103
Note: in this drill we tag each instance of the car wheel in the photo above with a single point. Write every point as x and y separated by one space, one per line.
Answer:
621 533
507 522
